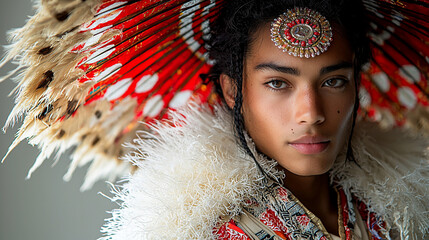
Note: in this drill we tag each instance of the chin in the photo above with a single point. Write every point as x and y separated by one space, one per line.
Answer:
313 173
310 172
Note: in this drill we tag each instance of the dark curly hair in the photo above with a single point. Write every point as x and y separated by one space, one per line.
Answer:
232 34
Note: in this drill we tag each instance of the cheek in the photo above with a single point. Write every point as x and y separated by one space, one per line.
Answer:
340 104
341 113
262 109
261 114
343 110
253 114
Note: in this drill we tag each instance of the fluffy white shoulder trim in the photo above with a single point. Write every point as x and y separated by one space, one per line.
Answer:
191 177
194 175
391 176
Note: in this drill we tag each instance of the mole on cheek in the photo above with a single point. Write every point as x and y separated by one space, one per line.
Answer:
338 111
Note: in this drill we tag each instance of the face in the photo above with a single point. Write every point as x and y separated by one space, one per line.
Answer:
298 111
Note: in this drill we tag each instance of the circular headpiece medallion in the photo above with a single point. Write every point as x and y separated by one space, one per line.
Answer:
301 32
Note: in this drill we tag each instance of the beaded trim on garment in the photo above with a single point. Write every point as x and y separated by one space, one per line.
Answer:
281 211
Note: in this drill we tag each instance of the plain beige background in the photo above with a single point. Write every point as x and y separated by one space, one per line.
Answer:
44 207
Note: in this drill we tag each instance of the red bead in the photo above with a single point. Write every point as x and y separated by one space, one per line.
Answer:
302 21
293 39
297 21
307 21
310 42
316 33
303 44
289 25
288 37
314 39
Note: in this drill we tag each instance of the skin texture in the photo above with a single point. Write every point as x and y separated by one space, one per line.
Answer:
286 99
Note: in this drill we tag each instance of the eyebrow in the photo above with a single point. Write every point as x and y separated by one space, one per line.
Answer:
294 71
277 68
335 67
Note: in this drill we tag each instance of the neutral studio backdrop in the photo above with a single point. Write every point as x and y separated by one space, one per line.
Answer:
44 207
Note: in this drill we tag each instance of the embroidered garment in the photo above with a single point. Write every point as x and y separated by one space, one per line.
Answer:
281 211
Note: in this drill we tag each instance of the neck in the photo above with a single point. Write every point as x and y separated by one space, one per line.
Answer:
308 188
316 194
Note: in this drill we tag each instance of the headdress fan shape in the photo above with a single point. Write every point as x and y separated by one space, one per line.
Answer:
93 70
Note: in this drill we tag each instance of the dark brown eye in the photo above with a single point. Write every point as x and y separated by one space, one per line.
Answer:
335 83
277 84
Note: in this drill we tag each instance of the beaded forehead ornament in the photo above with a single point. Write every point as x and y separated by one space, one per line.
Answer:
301 32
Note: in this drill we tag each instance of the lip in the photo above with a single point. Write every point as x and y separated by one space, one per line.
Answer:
310 144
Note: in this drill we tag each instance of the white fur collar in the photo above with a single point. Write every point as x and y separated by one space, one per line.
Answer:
194 175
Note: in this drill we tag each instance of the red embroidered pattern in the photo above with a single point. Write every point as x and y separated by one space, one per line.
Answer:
375 224
231 231
270 219
283 195
303 220
345 213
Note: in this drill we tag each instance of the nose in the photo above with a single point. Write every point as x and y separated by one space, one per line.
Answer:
308 107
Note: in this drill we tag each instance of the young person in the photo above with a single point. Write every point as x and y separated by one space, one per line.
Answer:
283 157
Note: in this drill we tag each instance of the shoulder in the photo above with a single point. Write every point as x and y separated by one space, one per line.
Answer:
190 175
391 176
